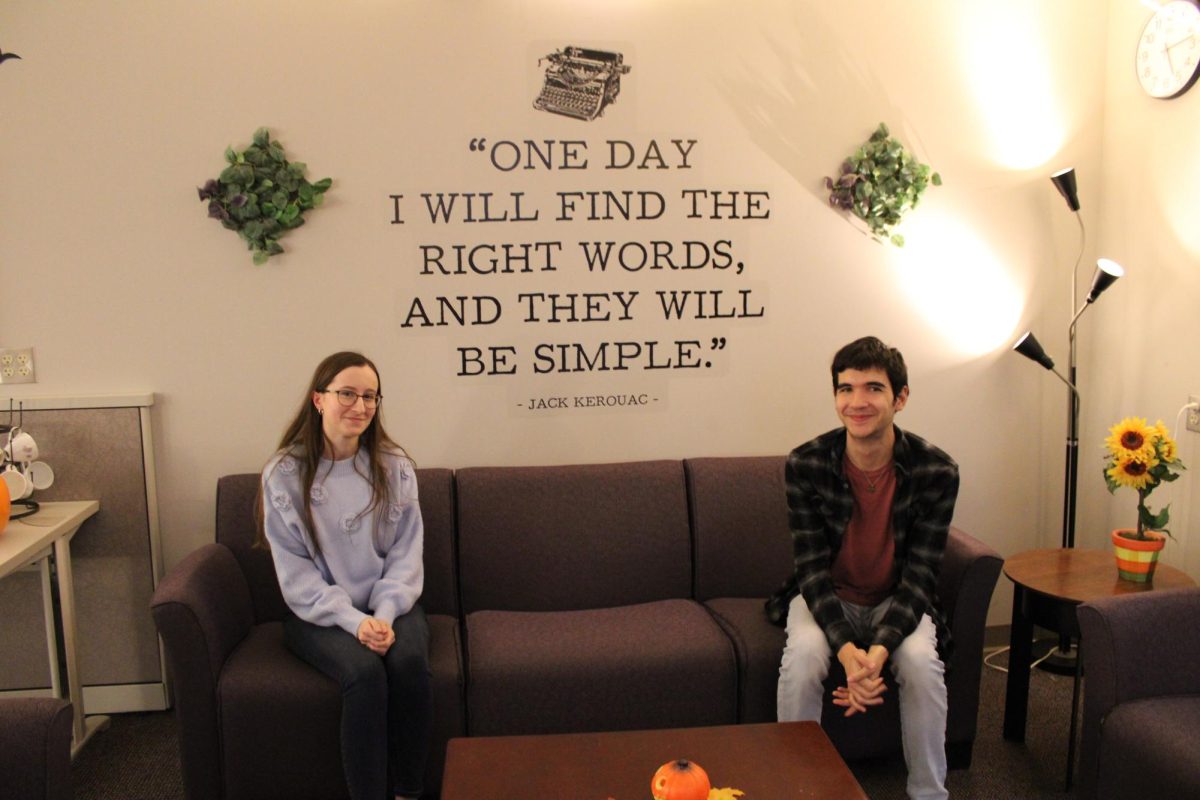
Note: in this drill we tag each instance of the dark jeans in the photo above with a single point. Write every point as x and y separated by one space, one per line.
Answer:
386 705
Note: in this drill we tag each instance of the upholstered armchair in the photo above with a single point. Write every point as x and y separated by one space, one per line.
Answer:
1141 711
35 748
255 722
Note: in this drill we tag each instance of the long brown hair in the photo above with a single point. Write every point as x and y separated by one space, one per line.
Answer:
304 439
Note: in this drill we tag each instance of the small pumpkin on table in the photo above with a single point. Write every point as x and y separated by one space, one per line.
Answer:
686 780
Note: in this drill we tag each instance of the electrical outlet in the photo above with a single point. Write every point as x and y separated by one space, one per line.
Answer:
1193 414
16 365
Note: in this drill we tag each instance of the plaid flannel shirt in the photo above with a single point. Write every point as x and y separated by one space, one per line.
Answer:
820 502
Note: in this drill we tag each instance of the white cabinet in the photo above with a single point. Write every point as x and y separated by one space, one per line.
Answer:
100 449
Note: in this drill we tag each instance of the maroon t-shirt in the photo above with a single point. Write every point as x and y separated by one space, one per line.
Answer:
864 570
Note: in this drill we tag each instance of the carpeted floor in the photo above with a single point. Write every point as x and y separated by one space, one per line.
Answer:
137 758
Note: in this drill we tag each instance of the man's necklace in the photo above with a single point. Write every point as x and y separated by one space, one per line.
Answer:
874 477
871 483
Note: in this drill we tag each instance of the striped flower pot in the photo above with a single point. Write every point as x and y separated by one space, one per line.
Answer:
1136 559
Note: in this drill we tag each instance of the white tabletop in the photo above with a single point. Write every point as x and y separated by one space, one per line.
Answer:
23 541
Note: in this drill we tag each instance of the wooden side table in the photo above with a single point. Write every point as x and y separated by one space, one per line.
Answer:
1048 585
34 540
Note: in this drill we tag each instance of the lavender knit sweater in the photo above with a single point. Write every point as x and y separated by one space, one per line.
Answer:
370 563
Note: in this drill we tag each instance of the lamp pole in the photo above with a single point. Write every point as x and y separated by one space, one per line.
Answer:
1071 479
1064 181
1107 272
1071 488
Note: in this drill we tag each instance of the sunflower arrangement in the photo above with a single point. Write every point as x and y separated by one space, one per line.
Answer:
1142 456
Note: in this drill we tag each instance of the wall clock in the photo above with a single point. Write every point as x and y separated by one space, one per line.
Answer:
1168 52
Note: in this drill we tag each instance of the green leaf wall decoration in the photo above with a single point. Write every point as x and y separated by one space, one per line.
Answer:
261 195
879 183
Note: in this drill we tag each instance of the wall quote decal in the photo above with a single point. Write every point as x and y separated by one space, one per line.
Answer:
598 258
581 265
580 82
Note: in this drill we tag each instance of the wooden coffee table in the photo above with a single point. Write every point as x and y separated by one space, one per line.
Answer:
771 761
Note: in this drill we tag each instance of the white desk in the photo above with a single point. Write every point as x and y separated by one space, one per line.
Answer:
33 540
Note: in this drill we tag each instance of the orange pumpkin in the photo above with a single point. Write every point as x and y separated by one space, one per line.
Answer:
680 780
5 506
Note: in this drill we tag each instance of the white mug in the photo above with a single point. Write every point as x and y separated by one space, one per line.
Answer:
18 485
21 447
39 475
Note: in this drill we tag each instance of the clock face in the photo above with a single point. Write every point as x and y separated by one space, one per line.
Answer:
1168 54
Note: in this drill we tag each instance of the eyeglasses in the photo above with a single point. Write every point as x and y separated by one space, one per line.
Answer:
348 397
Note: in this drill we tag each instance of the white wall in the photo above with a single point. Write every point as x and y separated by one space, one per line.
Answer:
1140 355
111 270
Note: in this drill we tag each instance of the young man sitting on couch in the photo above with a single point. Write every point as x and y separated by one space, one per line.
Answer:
869 507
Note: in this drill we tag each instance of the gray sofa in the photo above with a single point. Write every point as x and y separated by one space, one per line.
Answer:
564 598
1141 706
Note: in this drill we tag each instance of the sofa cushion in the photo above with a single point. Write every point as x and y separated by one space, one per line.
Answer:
759 648
280 717
740 519
664 664
435 489
1148 748
448 687
572 537
967 577
237 511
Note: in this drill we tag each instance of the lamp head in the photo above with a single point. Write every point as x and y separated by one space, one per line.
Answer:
1107 272
1064 181
1029 347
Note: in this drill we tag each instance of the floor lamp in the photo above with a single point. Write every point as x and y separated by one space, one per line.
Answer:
1106 273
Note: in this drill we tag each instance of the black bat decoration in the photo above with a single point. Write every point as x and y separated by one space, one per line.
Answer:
6 56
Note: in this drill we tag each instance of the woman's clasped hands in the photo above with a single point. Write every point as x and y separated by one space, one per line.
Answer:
376 635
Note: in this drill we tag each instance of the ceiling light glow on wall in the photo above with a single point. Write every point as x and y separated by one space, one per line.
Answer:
958 283
1173 170
1007 70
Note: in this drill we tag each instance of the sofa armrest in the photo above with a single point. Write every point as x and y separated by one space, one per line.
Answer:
970 569
202 609
969 573
35 748
1129 637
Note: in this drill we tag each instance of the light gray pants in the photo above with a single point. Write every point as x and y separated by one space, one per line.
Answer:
919 677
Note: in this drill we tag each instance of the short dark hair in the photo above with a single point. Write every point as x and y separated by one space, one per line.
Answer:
870 353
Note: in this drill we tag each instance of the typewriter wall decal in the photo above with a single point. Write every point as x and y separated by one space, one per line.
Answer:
580 82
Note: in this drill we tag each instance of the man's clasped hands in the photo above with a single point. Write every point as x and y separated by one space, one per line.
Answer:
864 682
